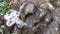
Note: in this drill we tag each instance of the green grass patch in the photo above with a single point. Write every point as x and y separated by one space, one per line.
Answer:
3 6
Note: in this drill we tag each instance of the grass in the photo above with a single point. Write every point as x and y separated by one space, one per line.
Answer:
1 30
3 6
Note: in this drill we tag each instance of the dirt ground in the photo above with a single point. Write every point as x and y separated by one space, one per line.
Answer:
45 18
